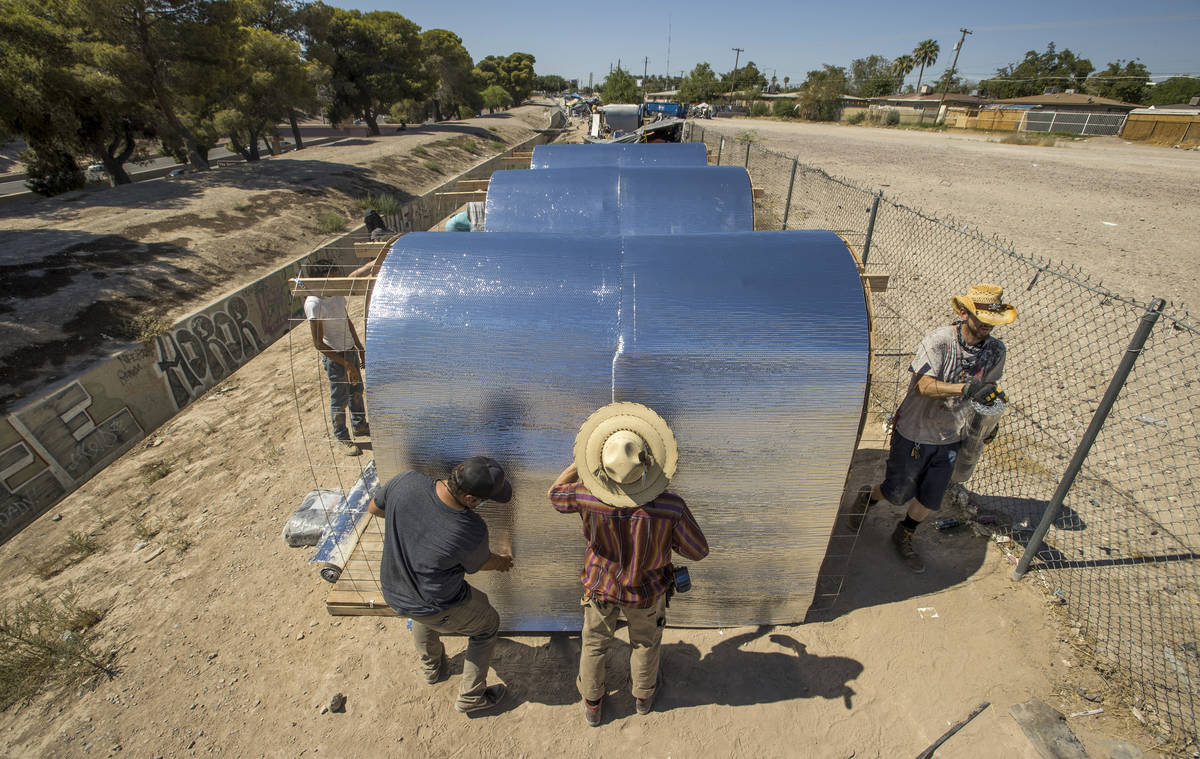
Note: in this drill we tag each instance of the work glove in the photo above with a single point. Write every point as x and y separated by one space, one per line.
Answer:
981 392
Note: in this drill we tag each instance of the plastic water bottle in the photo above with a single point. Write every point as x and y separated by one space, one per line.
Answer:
946 523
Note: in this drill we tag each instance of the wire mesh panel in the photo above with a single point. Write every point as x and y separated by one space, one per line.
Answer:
1074 123
1121 552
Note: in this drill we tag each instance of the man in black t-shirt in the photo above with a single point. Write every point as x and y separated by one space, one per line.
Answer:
432 537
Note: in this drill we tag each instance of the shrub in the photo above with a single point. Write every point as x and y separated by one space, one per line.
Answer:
759 108
384 203
420 151
146 327
51 171
433 166
748 136
466 112
857 118
43 646
330 221
893 118
784 109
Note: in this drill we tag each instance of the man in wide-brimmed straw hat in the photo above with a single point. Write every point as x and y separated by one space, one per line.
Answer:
953 366
625 455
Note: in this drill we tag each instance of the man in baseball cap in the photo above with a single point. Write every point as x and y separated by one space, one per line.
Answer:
432 537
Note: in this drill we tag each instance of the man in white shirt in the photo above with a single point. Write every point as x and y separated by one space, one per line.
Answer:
342 354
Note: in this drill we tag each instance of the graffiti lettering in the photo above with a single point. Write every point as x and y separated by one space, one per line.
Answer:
198 356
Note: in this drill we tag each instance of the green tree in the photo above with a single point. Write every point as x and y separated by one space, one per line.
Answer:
495 97
902 67
948 82
286 19
784 108
551 83
1174 91
747 78
180 56
871 76
1127 81
1052 68
821 94
620 87
374 60
513 72
925 54
273 80
449 64
700 86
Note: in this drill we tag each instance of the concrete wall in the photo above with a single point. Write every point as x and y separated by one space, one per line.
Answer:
54 443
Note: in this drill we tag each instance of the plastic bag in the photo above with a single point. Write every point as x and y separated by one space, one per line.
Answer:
307 524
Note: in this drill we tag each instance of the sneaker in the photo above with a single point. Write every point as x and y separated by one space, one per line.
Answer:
858 509
491 698
362 430
348 447
592 714
902 539
433 676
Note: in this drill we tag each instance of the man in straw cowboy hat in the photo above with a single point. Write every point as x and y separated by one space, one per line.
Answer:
625 454
432 536
953 366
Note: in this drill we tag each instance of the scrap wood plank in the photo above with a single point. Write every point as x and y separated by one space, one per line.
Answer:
463 196
473 184
876 283
331 285
526 154
1047 730
757 192
368 249
357 591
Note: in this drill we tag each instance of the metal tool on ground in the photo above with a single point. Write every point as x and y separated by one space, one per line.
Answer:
927 753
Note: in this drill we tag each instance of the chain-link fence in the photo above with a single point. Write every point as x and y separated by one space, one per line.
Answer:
1120 555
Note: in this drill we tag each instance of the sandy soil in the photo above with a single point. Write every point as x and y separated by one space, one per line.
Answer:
224 646
1123 212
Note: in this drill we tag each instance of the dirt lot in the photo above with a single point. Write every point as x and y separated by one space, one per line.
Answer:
1123 212
221 639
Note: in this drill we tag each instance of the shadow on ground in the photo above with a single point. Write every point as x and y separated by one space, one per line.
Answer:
736 672
861 566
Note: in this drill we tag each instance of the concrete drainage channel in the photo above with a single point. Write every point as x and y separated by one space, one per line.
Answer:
53 444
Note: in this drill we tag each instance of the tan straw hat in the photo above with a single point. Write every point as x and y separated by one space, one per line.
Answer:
986 303
626 454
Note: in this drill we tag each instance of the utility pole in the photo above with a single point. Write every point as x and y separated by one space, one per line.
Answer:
645 68
957 49
733 82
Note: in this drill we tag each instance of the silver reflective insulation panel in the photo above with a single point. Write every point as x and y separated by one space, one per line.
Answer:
752 346
634 155
607 200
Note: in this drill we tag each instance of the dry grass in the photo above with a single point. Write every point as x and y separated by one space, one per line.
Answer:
330 222
1027 138
78 546
146 327
44 646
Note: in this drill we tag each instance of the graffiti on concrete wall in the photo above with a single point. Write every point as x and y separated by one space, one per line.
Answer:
204 350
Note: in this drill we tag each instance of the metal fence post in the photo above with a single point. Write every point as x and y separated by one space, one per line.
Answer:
720 149
787 204
1153 311
746 165
871 227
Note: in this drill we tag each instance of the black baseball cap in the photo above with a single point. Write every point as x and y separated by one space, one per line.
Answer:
483 477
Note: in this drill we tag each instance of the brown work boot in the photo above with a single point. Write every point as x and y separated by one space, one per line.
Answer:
348 448
902 539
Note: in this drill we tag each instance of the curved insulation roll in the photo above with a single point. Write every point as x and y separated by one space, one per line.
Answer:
753 347
605 200
621 156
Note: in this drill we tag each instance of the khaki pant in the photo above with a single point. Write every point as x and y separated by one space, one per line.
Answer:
474 617
645 635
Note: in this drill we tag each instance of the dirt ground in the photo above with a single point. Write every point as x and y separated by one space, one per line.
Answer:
224 646
1123 212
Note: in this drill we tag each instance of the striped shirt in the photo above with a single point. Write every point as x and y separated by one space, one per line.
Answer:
628 559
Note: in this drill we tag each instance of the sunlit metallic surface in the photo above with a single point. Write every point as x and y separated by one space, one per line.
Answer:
752 346
621 156
607 200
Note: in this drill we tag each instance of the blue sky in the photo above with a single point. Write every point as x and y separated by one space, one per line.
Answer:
790 38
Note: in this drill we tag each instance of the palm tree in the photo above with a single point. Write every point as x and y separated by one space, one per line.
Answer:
925 54
902 67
